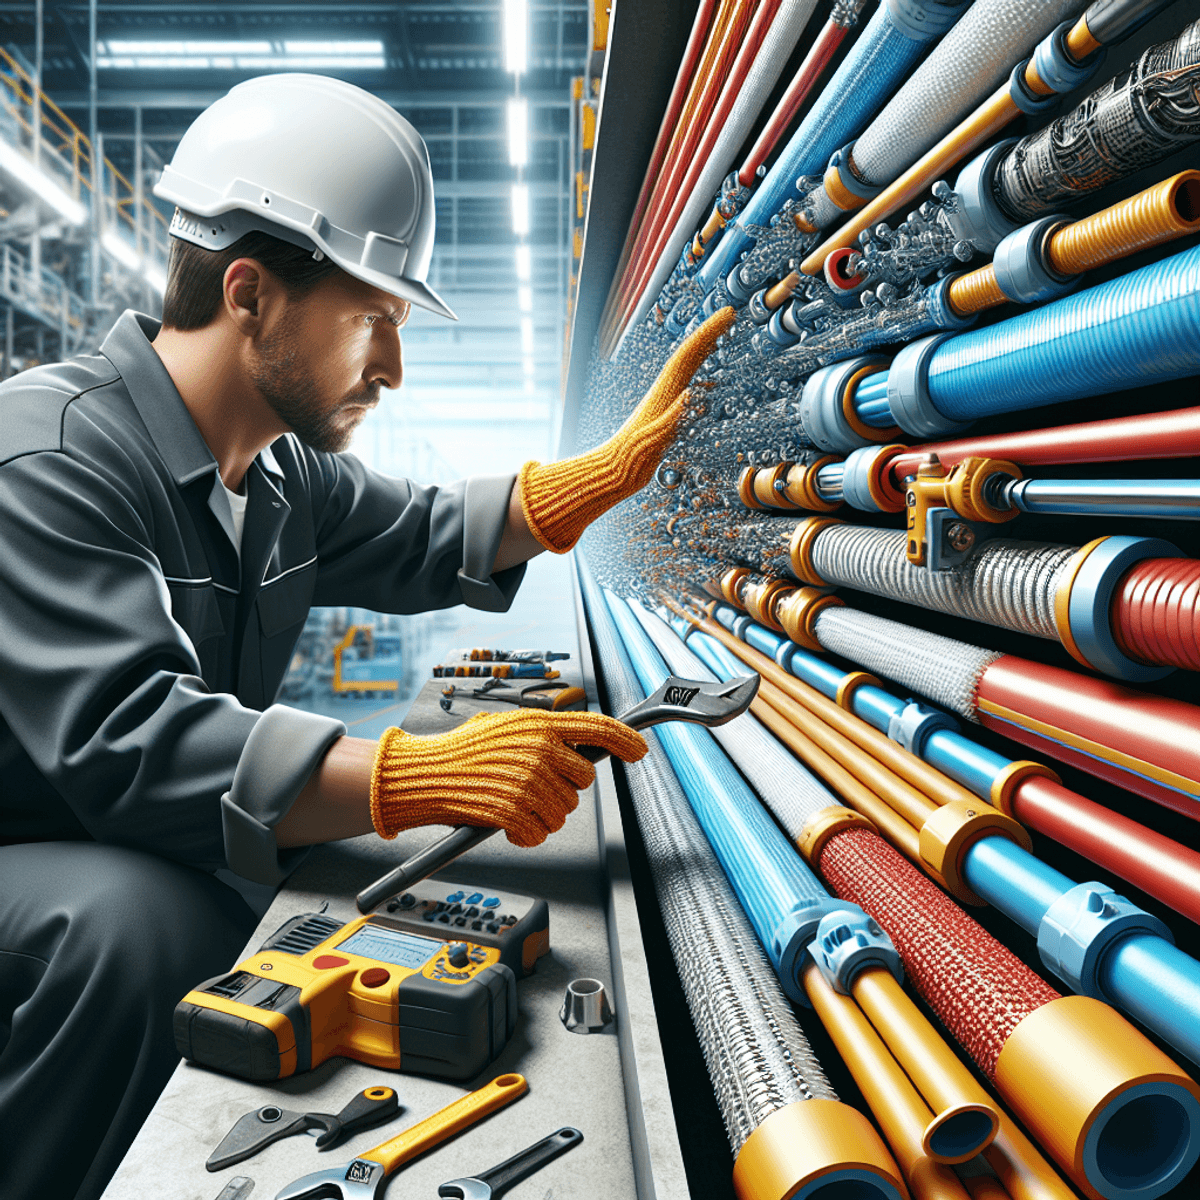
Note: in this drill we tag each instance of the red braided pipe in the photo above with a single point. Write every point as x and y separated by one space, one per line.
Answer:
979 990
1155 613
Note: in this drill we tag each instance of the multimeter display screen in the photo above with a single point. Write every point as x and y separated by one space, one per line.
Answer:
390 946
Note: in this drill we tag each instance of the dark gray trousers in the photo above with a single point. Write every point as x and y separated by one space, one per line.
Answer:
97 945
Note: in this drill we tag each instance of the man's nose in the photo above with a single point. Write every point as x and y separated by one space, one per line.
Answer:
387 359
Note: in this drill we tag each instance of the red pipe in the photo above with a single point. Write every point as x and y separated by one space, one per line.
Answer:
1156 435
1162 868
1155 613
1147 744
815 62
684 147
691 57
979 989
696 161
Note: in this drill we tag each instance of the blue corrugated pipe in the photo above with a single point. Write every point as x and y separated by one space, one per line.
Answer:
877 63
781 896
1140 971
1141 328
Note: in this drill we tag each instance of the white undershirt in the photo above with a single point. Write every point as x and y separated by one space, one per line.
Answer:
237 509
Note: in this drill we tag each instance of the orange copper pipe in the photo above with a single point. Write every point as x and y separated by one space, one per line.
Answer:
906 801
855 793
930 784
902 1114
1155 216
942 1079
782 292
1161 213
974 292
982 125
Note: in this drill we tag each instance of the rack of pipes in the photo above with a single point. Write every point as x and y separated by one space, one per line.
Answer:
934 903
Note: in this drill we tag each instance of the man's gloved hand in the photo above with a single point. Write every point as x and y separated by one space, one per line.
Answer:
513 771
560 500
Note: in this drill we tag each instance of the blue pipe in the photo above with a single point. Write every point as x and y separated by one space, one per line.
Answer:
782 897
1140 972
880 58
1141 328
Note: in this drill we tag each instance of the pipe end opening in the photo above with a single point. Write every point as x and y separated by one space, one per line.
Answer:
1186 199
957 1134
1147 1144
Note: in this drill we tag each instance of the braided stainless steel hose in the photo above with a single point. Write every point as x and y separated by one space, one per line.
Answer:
946 671
1007 583
758 1057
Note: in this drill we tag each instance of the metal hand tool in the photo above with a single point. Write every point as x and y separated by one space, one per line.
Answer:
490 1185
258 1129
554 697
363 1178
697 701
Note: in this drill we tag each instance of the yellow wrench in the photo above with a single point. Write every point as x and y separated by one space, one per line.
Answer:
362 1178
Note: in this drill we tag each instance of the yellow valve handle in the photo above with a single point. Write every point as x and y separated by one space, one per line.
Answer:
448 1121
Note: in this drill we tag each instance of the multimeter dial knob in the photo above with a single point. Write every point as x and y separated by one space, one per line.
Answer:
456 952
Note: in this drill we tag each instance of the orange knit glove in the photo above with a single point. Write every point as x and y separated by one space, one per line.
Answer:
562 499
513 771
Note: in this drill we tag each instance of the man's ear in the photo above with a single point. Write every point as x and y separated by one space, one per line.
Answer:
243 286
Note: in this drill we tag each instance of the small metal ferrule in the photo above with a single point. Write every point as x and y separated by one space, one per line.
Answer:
941 312
585 1006
740 288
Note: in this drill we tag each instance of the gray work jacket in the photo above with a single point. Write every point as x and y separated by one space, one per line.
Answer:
140 655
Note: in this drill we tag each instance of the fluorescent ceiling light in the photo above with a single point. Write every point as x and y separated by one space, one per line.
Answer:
121 250
520 209
529 387
526 335
156 277
242 55
518 132
15 164
516 35
527 366
525 298
524 263
333 47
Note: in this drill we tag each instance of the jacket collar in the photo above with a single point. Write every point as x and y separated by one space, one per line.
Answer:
175 435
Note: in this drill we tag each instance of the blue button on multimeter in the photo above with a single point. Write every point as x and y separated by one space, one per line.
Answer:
492 902
474 897
454 897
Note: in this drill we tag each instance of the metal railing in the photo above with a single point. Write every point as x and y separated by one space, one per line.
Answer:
43 295
38 128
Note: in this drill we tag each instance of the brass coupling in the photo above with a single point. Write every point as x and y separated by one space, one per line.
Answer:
731 585
788 486
759 598
822 825
795 610
951 830
964 490
801 547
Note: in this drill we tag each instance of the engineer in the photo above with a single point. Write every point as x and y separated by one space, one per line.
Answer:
170 507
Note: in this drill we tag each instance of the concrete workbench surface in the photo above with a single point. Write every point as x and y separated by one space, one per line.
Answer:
573 1079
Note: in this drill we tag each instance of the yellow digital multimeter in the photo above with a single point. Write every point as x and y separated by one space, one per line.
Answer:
418 988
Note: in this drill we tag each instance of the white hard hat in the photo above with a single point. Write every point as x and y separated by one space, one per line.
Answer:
314 161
